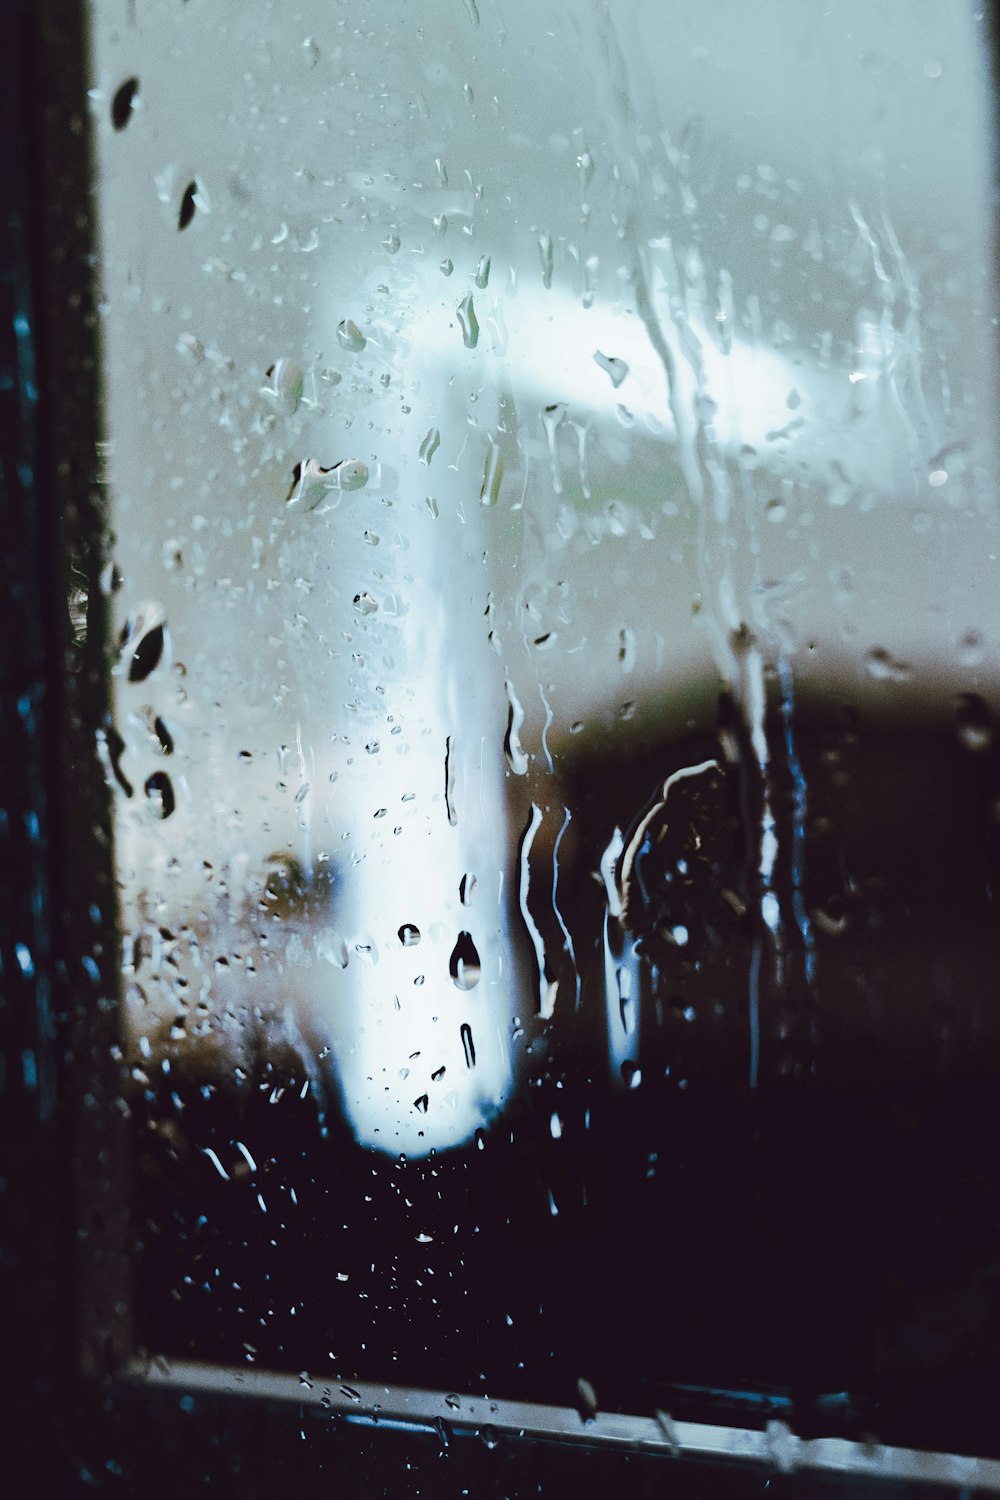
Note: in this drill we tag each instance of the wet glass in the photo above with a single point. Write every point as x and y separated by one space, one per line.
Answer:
552 573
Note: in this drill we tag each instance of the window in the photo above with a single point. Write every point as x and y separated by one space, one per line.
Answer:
525 788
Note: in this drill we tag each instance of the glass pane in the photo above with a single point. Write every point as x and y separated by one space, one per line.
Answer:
552 564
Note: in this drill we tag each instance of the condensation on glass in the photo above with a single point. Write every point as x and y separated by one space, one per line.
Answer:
538 437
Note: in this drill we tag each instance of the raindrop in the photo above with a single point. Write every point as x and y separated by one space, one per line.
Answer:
285 384
124 103
391 242
463 965
552 417
468 322
430 445
974 721
311 51
365 604
449 782
883 668
489 492
350 336
468 1045
164 736
446 266
409 935
483 272
971 648
467 889
591 271
311 483
616 368
349 474
148 654
188 206
545 257
421 1104
586 1400
516 758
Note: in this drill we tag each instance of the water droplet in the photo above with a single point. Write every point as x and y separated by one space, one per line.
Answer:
515 756
468 322
350 336
391 242
468 1045
188 205
442 172
159 789
463 965
311 51
545 257
483 272
937 477
552 418
430 446
971 648
365 604
586 1400
467 889
409 935
285 384
591 272
489 492
421 1104
124 103
446 266
616 368
555 1127
881 665
974 721
148 653
775 511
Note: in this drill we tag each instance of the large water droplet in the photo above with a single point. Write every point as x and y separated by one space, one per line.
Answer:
616 368
516 758
350 336
881 665
464 965
285 380
973 721
430 446
124 103
489 492
468 322
545 257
